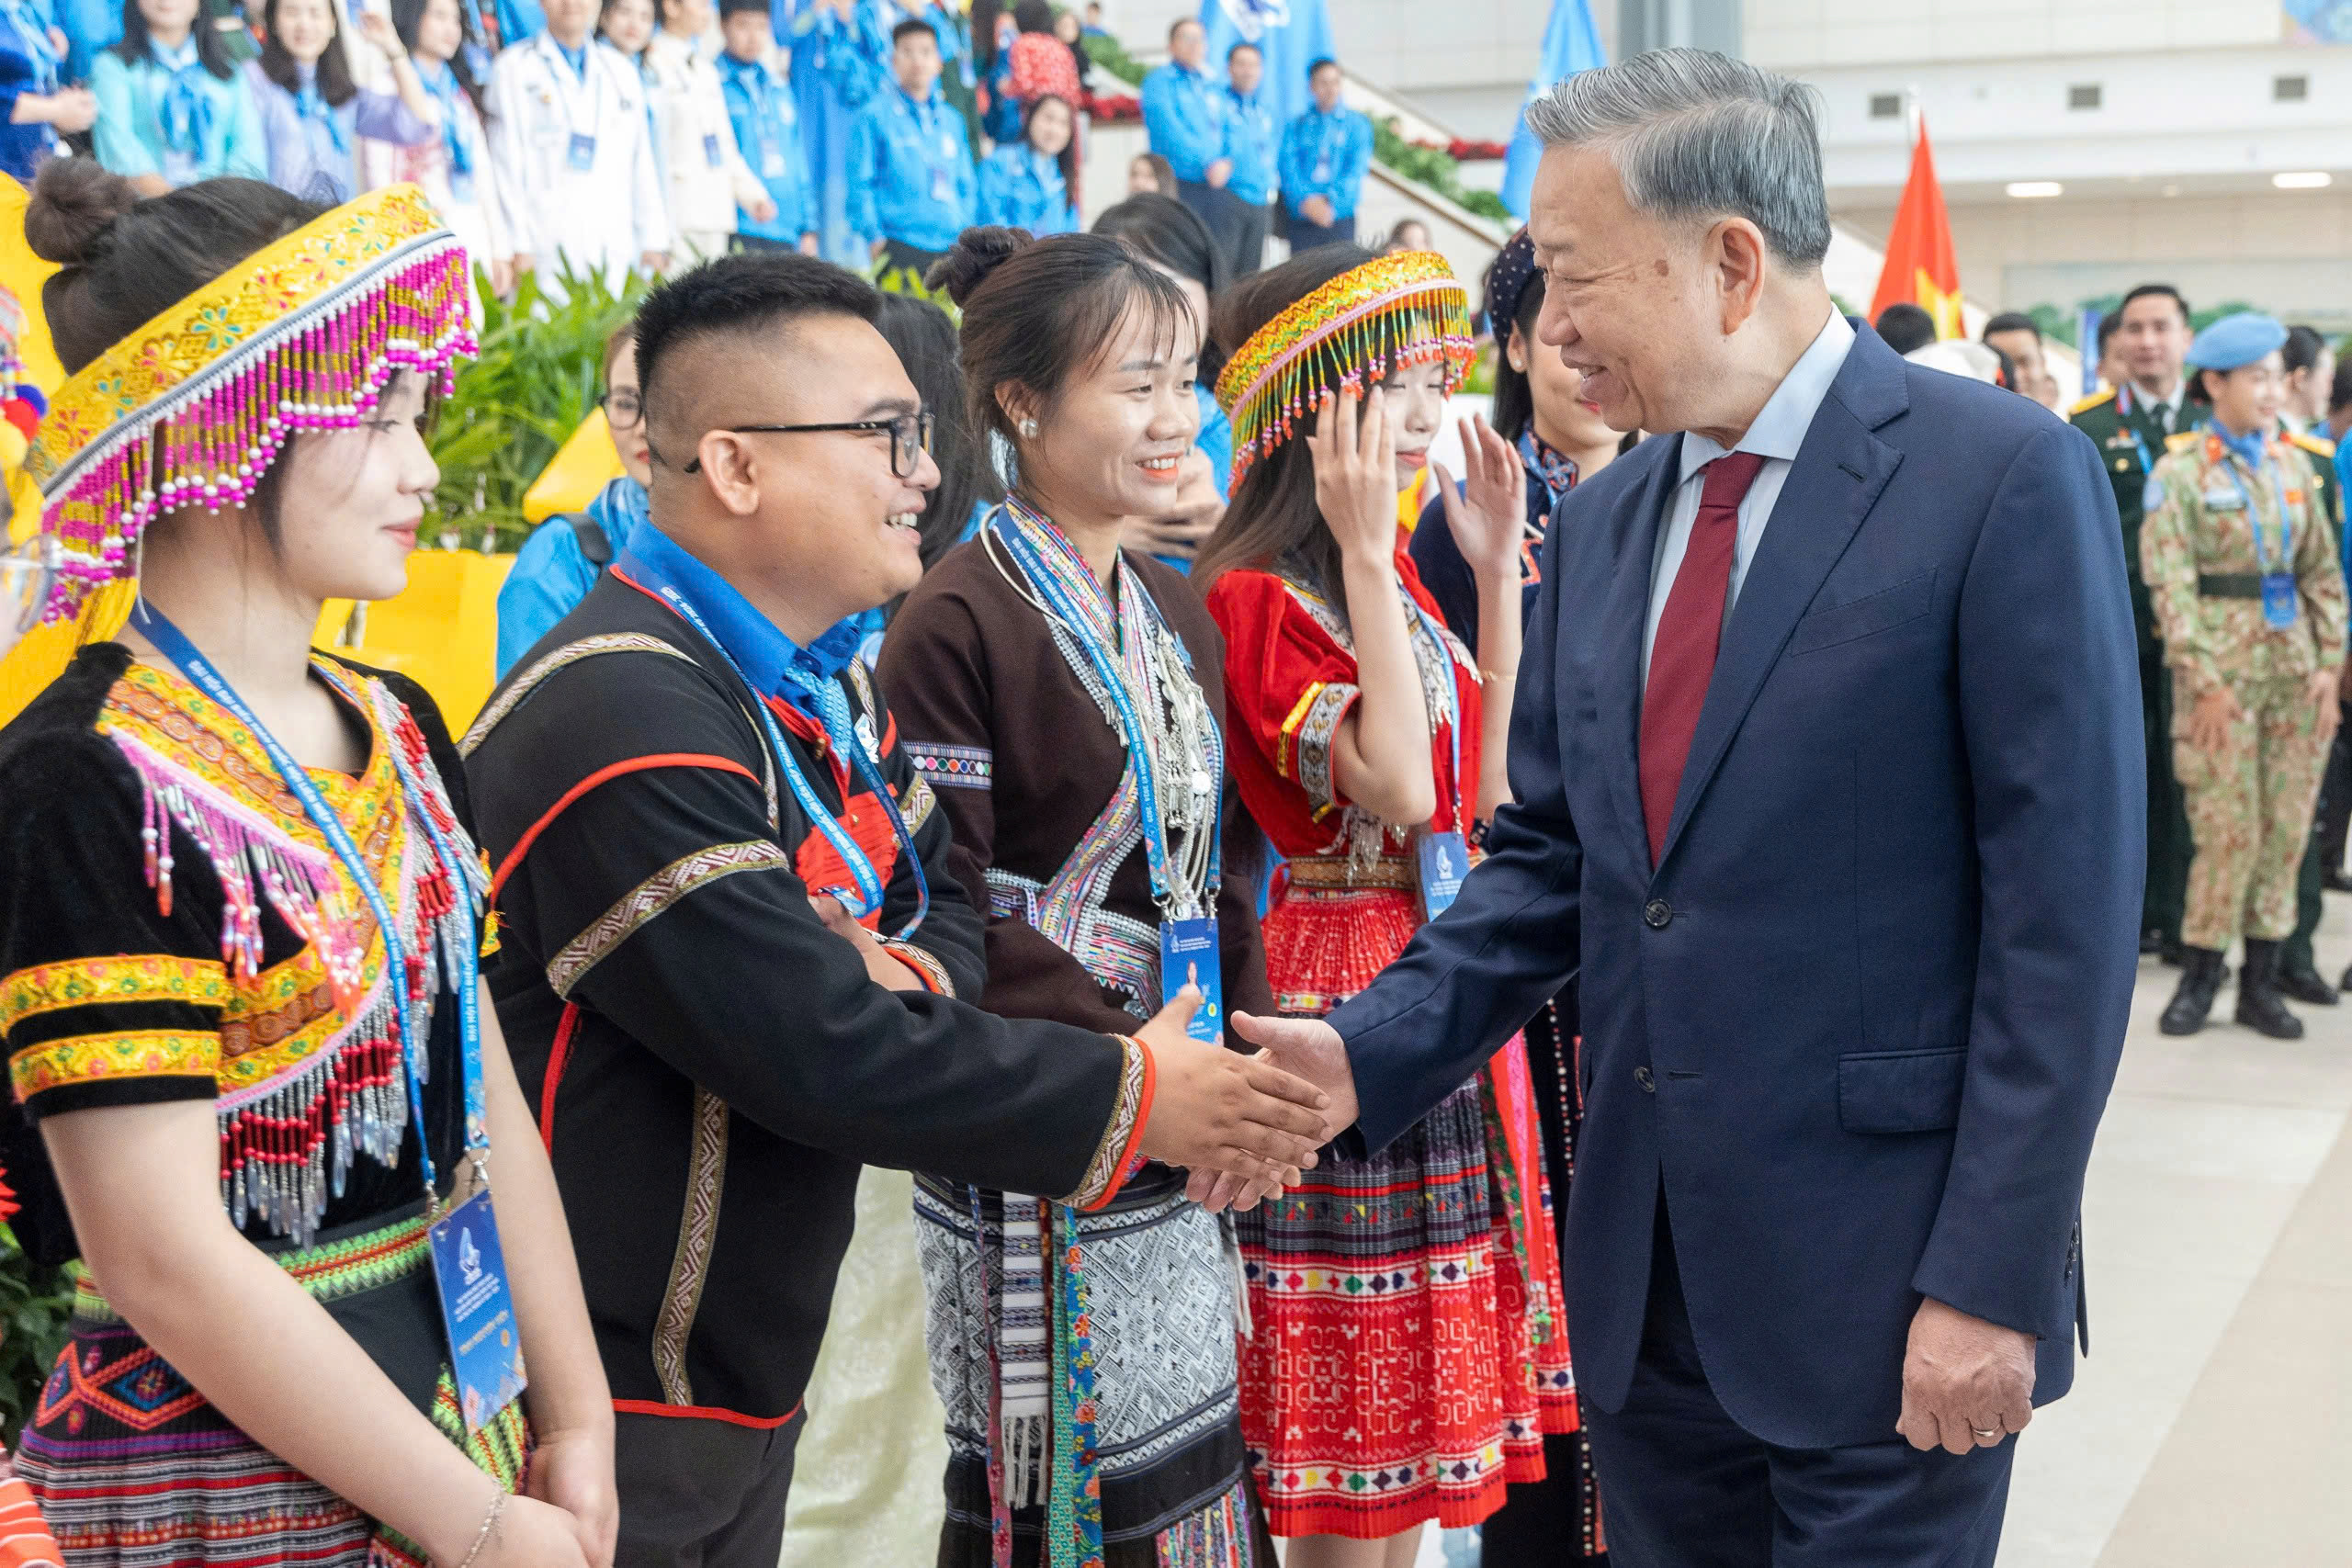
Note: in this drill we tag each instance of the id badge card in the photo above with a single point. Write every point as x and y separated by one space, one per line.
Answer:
462 186
2278 602
711 154
1188 952
772 166
1322 171
943 186
1446 860
477 1310
581 157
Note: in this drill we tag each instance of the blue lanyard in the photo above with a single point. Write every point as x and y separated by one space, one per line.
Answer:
1113 677
35 39
2253 517
938 157
870 886
465 961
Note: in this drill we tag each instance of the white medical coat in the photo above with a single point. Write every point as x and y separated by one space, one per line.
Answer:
601 217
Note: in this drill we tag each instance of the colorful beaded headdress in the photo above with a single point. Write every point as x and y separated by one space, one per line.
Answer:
1399 309
192 409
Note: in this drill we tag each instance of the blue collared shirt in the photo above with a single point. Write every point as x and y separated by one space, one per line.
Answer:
1326 155
774 664
1183 115
1252 140
767 128
910 176
1023 188
1776 432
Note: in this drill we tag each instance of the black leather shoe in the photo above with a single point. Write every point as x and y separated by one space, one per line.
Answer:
2260 1007
2200 976
2169 949
2336 882
2151 942
2305 984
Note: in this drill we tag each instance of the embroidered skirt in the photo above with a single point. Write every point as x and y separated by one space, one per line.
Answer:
1405 1309
1160 1284
134 1467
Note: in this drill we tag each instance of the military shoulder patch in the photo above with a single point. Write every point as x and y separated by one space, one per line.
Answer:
2086 404
2318 446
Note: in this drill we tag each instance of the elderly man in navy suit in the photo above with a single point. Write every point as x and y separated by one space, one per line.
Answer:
1828 755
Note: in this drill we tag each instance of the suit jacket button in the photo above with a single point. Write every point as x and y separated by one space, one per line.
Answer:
1655 913
1642 1076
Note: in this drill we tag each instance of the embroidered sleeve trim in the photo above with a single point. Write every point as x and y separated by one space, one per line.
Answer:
89 982
1319 717
126 1053
916 802
642 904
690 1263
928 969
953 767
1120 1154
571 653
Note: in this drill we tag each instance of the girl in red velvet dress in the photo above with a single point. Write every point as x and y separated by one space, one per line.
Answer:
1405 1307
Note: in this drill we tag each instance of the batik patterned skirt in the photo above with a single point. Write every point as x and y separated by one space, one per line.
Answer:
135 1469
1405 1309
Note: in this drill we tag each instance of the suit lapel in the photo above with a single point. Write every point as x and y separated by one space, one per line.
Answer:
1839 472
1627 615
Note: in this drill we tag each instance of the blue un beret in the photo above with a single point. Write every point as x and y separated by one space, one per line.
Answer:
2234 341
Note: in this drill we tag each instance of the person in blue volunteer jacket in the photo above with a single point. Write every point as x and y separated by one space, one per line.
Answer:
1324 153
910 176
172 108
767 128
1025 184
1184 110
1252 140
34 107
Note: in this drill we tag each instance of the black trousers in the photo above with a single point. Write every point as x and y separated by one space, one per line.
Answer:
1306 234
897 254
2171 846
1250 237
696 1493
1688 1487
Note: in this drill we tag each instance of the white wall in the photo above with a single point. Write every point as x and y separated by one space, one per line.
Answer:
1404 44
1801 35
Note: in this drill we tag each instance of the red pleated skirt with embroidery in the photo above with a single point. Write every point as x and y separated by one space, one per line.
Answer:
1407 1349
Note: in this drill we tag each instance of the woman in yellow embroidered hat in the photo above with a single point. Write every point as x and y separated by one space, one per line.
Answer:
241 916
1404 1307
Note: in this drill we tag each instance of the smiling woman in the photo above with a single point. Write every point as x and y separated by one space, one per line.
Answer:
1063 696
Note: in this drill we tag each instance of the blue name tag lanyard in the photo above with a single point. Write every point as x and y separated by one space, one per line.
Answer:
2279 605
1176 904
174 645
871 886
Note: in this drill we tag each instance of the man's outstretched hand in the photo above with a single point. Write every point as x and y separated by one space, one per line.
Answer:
1214 1110
1313 1050
1967 1383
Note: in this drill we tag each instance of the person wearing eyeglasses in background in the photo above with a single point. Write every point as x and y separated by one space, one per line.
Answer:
562 559
734 945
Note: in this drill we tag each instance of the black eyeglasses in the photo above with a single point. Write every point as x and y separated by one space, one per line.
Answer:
909 437
622 409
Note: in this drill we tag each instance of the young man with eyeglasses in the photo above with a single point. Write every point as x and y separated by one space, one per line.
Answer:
564 556
732 944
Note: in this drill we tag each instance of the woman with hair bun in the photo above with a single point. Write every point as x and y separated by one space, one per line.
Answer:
1408 1304
240 915
1063 696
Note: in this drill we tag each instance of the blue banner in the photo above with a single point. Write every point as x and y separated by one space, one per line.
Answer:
1571 44
1292 34
2086 336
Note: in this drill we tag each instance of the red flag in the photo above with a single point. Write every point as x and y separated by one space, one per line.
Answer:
1920 268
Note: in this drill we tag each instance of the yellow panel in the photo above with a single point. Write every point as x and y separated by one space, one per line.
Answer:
442 632
584 464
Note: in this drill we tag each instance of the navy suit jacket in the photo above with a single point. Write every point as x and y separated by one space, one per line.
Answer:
1862 1018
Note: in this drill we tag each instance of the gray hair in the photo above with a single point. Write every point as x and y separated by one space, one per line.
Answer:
1696 134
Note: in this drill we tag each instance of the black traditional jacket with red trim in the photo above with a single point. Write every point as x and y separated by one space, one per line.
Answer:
709 1064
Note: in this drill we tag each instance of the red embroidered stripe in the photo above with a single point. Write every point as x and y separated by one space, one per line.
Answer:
559 1056
704 1413
605 775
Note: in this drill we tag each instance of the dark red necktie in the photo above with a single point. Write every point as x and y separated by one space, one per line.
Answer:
1690 631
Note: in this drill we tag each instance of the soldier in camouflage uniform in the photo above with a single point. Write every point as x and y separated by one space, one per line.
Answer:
2249 598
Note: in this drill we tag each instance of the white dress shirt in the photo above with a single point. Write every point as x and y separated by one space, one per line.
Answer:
1776 435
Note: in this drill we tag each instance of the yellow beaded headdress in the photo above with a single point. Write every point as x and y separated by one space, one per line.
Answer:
1404 308
192 409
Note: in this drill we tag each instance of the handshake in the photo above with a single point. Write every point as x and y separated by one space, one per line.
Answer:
1245 1125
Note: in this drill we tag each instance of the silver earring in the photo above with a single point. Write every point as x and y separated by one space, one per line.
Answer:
1029 429
1519 365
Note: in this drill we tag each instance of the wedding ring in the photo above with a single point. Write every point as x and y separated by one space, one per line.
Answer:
1986 1434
